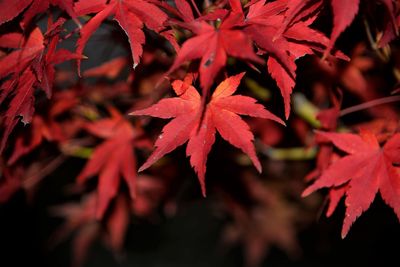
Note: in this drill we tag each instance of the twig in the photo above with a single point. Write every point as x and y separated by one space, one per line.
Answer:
196 8
369 104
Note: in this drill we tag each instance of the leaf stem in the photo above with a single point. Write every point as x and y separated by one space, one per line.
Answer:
373 43
196 8
369 104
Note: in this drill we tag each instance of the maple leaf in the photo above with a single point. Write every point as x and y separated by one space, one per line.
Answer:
46 127
112 159
367 169
81 218
118 222
263 25
391 29
20 106
29 67
334 196
76 214
213 45
344 12
110 69
23 145
26 176
150 193
328 119
40 6
184 10
26 50
33 7
131 15
9 12
221 114
352 77
269 221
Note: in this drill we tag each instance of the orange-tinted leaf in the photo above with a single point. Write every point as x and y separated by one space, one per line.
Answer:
220 116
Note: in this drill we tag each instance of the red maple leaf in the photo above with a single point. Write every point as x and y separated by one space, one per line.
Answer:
9 11
367 169
343 11
131 15
221 114
81 219
269 221
21 105
213 45
392 26
110 69
39 131
264 23
28 67
26 50
112 159
46 127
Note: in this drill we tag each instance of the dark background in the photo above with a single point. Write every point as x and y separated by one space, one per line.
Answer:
191 238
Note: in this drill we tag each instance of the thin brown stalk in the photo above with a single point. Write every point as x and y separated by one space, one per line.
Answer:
370 104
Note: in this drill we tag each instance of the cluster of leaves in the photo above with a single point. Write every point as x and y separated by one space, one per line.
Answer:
82 113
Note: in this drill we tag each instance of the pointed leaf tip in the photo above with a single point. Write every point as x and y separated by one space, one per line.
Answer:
142 168
306 192
258 166
279 120
344 234
203 190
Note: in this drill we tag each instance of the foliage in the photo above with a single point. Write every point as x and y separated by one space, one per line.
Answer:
334 64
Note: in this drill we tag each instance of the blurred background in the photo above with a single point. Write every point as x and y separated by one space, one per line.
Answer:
194 236
247 219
